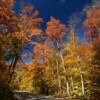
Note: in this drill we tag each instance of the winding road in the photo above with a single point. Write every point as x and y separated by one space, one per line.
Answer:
21 95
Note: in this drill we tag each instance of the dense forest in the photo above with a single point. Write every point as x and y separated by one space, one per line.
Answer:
60 63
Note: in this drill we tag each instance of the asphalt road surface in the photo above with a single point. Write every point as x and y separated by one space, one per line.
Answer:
30 96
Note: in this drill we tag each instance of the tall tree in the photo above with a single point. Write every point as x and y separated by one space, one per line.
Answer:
56 31
92 30
15 34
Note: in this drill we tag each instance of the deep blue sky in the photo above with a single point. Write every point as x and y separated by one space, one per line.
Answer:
61 9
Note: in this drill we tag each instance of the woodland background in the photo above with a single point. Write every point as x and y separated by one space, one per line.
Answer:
60 63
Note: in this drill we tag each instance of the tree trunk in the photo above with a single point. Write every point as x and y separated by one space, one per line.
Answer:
72 83
59 81
68 88
11 72
12 69
63 64
82 81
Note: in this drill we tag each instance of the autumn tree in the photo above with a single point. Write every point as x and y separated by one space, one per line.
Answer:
14 35
91 24
8 26
92 30
56 31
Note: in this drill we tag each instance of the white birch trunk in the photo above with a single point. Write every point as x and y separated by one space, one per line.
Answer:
82 81
63 64
59 81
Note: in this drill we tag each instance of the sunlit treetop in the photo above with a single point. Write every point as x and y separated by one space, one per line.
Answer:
55 29
92 22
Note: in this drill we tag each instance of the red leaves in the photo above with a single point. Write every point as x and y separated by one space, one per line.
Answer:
55 29
39 49
7 2
3 11
92 23
30 21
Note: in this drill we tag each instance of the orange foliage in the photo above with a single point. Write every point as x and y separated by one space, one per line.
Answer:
92 23
8 1
39 49
30 21
88 52
55 29
15 33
